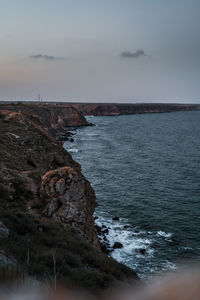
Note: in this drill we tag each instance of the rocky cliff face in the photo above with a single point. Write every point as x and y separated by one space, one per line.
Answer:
43 168
53 118
46 203
70 199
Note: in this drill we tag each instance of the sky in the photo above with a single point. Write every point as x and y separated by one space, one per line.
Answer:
100 50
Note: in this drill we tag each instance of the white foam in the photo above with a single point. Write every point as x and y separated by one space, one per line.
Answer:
187 248
169 266
134 240
131 241
88 117
164 234
72 150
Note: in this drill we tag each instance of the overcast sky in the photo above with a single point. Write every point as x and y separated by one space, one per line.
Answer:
100 50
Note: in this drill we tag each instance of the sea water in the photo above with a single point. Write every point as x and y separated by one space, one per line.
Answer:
145 169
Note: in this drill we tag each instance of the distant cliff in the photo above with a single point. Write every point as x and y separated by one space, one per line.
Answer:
46 203
114 109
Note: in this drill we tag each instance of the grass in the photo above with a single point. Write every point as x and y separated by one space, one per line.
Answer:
11 274
77 261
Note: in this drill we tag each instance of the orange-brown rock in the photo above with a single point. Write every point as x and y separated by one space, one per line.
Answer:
65 191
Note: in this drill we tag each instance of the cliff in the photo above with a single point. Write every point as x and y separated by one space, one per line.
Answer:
55 119
116 109
47 204
42 167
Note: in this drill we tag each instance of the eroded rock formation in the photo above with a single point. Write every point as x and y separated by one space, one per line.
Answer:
70 199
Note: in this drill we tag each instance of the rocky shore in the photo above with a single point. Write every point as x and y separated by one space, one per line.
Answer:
106 247
47 204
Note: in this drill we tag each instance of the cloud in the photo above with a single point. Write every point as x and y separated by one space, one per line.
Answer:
136 54
45 57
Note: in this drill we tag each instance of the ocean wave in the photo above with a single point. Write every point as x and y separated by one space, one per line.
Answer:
139 251
132 241
168 266
186 248
73 150
164 234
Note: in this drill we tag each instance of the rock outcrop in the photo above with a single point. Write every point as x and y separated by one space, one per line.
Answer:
69 199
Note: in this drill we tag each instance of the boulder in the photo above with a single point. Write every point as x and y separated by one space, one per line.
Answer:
115 218
105 231
98 229
127 227
117 245
142 251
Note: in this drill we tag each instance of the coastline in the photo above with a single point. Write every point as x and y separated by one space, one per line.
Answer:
33 157
97 151
117 109
47 201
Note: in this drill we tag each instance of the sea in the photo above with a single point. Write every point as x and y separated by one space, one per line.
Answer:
145 169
